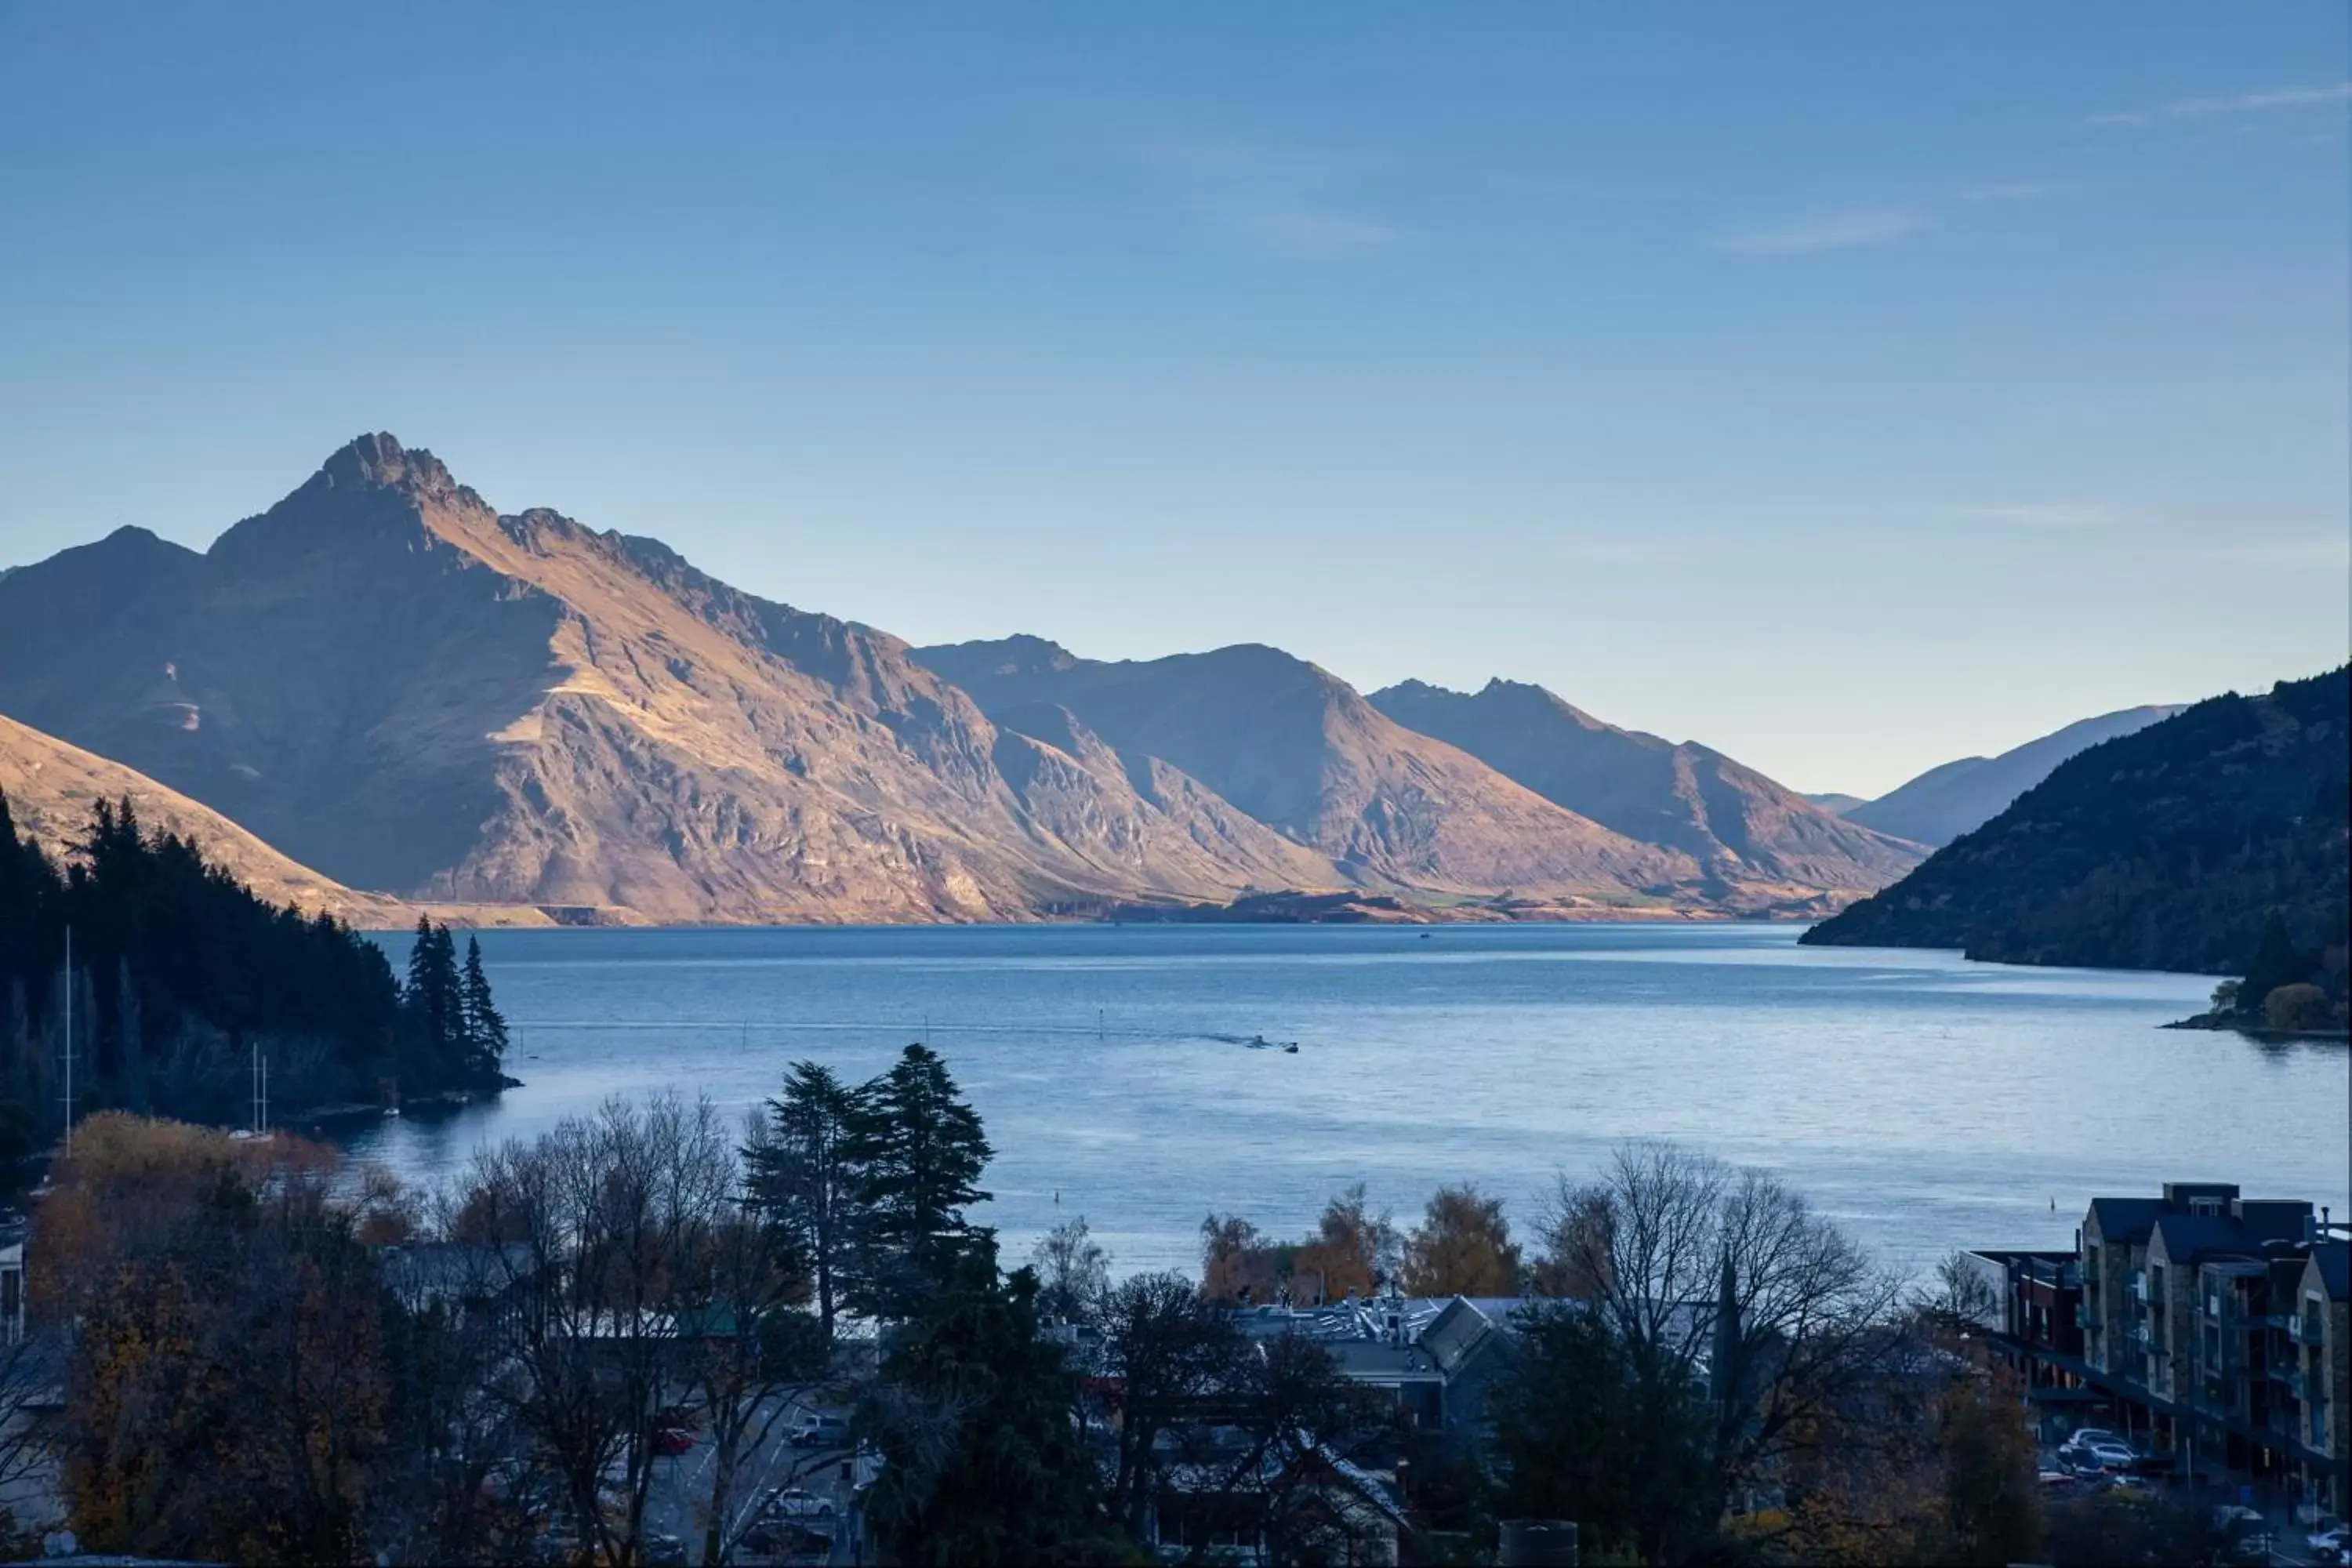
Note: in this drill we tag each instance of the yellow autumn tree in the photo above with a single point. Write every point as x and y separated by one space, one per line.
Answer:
1463 1246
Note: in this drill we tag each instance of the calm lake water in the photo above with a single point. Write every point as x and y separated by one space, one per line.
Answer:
1925 1103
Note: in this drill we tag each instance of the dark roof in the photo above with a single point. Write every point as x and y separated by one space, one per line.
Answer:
2335 1260
2126 1219
2190 1237
1456 1332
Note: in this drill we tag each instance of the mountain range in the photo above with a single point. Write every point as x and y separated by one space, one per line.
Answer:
388 684
1961 797
2166 847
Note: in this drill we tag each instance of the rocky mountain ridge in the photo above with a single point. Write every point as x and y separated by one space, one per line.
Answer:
386 680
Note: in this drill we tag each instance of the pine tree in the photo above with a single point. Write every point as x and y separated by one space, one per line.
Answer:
485 1027
918 1150
802 1178
1018 1485
2277 962
435 1002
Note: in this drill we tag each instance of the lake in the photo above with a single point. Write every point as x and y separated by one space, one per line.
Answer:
1924 1101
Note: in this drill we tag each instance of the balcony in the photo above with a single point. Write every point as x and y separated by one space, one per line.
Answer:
2139 1287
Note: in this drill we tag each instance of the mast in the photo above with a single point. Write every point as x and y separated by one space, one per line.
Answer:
69 990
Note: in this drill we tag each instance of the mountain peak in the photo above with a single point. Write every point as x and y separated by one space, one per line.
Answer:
378 462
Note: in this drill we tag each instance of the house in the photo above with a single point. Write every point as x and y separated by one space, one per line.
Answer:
1223 1491
1435 1356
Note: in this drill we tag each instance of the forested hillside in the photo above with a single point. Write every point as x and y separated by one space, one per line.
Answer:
2166 848
178 970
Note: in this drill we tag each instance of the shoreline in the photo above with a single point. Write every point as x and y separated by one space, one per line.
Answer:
2262 1034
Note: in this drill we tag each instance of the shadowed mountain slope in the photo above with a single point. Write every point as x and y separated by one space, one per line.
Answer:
2165 848
52 788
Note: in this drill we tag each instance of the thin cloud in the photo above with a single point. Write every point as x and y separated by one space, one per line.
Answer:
1297 202
2044 514
1315 235
2243 103
1837 231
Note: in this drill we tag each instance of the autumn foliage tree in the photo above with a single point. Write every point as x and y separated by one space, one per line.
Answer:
1463 1246
225 1395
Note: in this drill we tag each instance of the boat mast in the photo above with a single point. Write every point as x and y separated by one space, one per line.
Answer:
70 1054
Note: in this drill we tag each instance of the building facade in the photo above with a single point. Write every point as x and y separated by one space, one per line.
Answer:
2209 1327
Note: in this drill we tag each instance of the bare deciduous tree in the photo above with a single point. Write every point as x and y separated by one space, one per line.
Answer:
1703 1269
1174 1352
598 1220
1073 1272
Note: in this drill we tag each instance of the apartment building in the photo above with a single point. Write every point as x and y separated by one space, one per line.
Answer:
2315 1366
2214 1323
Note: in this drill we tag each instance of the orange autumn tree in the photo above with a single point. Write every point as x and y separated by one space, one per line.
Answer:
225 1392
1463 1246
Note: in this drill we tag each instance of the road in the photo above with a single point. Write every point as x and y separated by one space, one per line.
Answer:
680 1499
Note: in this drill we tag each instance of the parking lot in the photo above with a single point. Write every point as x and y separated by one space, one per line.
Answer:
2242 1524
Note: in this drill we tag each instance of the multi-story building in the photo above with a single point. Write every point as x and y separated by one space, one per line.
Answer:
2213 1324
2312 1371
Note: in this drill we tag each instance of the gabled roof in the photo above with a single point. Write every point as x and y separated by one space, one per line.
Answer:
2126 1219
1456 1331
2190 1237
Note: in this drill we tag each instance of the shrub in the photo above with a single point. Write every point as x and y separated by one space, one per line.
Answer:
2301 1006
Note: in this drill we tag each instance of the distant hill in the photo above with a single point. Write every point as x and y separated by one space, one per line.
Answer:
2163 848
1744 829
1834 803
1945 802
52 789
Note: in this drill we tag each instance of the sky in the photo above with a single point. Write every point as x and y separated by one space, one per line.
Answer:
1849 387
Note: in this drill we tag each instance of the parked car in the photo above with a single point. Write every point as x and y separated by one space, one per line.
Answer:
796 1503
663 1550
2110 1455
672 1440
2087 1436
2254 1546
2335 1536
815 1429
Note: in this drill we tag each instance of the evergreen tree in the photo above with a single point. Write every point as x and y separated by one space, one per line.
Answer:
802 1178
982 1462
918 1152
1583 1430
179 969
434 1000
2276 962
486 1027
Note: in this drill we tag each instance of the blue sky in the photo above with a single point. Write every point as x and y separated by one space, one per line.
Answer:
1849 387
